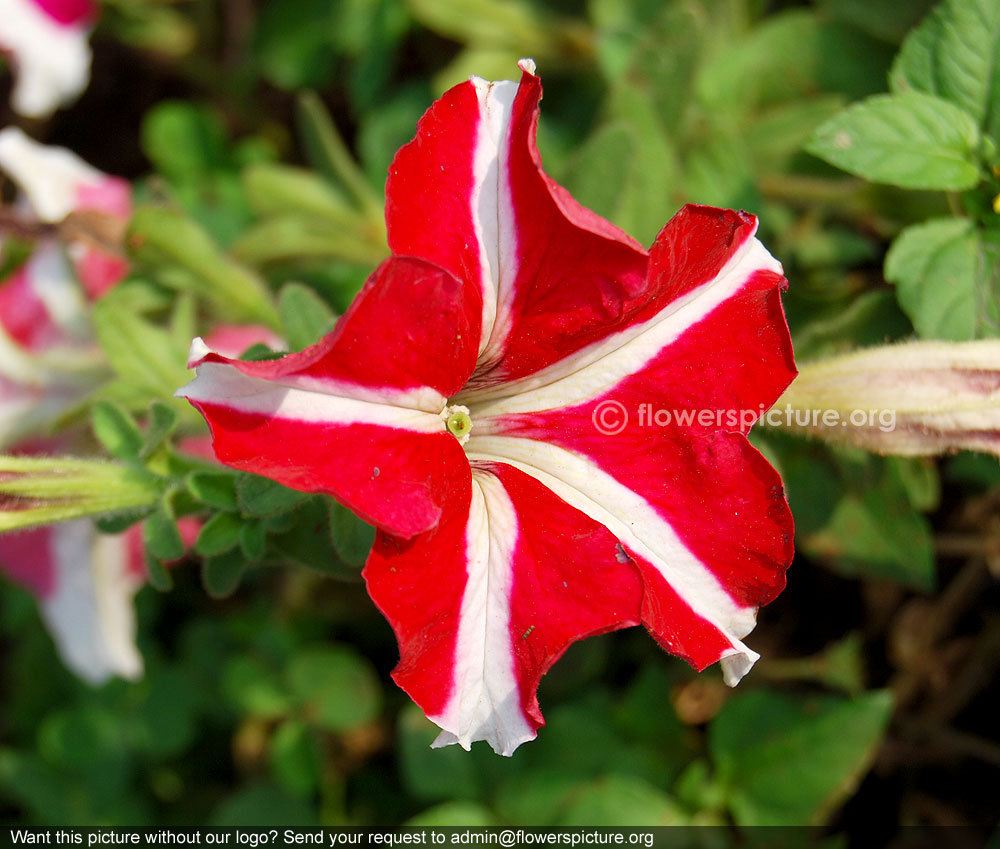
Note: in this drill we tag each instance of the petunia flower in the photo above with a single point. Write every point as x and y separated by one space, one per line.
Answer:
85 582
91 209
48 358
466 406
46 41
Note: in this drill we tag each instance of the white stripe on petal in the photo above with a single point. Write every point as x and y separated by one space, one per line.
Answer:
90 612
486 703
492 215
218 383
598 368
637 524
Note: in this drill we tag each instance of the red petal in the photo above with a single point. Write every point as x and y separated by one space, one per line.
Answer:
27 559
469 194
412 327
487 602
357 415
701 512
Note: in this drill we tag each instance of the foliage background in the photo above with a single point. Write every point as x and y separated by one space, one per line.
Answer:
874 704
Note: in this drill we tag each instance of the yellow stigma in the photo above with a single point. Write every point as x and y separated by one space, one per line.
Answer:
458 422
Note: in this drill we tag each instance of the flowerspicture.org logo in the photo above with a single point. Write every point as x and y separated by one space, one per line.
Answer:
611 417
452 408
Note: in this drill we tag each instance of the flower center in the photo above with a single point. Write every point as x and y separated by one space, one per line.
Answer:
457 420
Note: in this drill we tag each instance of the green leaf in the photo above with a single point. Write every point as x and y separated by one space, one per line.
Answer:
159 577
789 761
304 238
627 170
184 141
116 430
120 522
330 155
622 800
167 239
162 538
262 497
294 42
141 353
338 688
307 541
788 56
428 773
934 268
305 316
919 477
159 29
453 815
253 540
221 575
219 534
275 189
912 140
296 764
160 423
213 489
872 318
888 20
877 534
719 172
165 721
352 538
254 689
264 806
955 54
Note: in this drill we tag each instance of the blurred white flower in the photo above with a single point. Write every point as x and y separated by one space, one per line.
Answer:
46 42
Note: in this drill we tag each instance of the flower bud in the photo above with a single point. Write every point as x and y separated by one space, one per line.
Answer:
912 399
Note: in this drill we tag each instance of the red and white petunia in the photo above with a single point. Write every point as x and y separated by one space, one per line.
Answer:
85 582
47 43
48 359
56 184
461 406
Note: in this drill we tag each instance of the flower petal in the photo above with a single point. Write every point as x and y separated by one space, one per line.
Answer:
86 594
469 194
667 486
483 605
358 414
56 181
51 56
